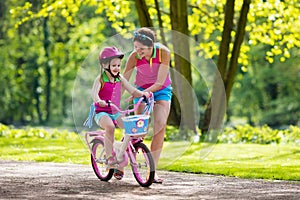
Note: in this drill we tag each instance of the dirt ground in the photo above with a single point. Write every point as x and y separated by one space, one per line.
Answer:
30 180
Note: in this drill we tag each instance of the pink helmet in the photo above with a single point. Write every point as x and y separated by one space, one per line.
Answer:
109 53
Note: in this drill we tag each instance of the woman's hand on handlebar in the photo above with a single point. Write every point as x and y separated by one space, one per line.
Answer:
146 94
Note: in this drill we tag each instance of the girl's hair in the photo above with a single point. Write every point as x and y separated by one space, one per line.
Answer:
145 36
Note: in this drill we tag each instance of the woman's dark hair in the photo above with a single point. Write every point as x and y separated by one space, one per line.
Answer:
145 36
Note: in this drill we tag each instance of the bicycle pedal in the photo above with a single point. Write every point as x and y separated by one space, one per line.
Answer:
113 163
112 166
101 161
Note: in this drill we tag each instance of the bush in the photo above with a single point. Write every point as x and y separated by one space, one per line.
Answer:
175 134
11 132
260 135
238 134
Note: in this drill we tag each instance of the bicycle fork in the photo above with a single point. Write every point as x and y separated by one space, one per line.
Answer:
120 148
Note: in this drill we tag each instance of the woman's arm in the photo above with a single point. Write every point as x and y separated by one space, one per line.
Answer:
130 65
95 90
132 90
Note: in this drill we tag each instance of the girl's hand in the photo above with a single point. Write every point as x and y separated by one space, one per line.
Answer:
129 99
101 103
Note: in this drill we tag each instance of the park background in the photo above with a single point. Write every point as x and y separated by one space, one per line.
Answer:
254 45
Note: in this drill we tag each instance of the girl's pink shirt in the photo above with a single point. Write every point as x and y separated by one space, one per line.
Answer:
147 71
110 91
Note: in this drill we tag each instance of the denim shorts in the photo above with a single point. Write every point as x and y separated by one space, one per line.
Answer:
163 94
113 117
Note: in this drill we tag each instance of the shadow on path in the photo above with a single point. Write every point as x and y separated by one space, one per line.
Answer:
32 180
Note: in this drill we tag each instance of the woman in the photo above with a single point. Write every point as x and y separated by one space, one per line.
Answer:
151 61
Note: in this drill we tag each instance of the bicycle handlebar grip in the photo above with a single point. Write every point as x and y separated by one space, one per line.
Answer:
145 99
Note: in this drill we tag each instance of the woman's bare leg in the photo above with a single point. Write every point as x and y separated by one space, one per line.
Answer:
161 112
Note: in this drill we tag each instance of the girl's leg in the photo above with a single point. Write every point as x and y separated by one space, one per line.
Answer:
120 122
161 112
107 124
140 109
119 171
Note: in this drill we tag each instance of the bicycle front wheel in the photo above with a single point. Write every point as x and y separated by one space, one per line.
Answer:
99 163
142 165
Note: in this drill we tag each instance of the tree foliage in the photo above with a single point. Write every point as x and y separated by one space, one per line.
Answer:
75 27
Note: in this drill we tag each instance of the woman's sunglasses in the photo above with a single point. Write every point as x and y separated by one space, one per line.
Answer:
141 37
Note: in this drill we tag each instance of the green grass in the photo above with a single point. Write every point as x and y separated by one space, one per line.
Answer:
239 160
71 150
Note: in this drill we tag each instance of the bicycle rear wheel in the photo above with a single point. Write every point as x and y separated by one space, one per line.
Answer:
98 159
142 165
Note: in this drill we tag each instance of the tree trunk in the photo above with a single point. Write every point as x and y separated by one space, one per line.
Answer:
174 116
227 75
144 16
48 68
2 17
160 22
222 60
182 81
240 33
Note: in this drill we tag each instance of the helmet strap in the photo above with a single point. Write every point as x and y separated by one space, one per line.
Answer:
114 76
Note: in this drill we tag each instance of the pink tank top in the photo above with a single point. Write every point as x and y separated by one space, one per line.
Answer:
147 71
109 91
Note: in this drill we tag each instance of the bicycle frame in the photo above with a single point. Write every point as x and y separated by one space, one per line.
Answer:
121 149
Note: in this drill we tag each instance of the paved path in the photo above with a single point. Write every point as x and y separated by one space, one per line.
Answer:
30 180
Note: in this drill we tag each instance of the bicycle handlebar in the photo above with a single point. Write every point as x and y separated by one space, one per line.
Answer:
149 101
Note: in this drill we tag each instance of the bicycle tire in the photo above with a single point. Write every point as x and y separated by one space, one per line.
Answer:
142 165
99 163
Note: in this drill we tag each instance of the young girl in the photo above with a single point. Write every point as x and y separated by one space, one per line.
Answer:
107 87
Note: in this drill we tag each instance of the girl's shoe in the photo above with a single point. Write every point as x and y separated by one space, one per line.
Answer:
158 180
118 174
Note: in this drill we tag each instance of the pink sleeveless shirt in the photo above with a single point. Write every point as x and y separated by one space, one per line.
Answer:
109 91
147 71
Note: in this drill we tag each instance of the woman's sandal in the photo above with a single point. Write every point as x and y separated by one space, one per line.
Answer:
118 174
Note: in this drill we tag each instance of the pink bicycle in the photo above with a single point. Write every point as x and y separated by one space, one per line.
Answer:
131 145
